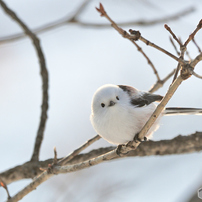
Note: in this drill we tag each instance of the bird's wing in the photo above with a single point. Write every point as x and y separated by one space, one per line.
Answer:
146 99
138 98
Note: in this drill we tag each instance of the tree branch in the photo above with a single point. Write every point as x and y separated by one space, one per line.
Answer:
127 36
177 145
163 147
160 83
78 150
183 47
44 76
73 20
197 46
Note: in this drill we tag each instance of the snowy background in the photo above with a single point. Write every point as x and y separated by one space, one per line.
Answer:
79 60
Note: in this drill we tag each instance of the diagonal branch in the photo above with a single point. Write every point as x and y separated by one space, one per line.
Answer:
197 46
158 110
79 150
127 36
137 36
44 76
191 36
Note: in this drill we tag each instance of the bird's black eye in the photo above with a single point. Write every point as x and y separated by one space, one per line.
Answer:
117 97
102 104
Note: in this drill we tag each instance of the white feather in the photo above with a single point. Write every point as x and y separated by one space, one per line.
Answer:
120 123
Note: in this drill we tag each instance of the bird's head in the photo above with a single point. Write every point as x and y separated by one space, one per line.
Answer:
108 99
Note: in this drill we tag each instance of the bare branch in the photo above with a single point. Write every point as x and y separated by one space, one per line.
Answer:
79 10
196 60
178 145
160 83
159 108
55 160
199 50
191 36
172 42
183 47
79 150
44 76
196 75
138 36
127 36
173 35
162 147
64 21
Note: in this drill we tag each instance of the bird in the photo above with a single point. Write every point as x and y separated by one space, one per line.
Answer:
119 112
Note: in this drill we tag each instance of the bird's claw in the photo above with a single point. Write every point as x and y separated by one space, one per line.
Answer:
118 149
138 140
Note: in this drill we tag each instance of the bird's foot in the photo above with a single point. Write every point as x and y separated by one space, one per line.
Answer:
118 149
137 139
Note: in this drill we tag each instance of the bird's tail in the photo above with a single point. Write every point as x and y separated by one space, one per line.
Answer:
182 111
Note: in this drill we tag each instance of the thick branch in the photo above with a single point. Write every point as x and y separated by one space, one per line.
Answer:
178 145
44 76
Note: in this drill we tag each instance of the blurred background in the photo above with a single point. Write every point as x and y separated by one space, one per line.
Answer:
80 59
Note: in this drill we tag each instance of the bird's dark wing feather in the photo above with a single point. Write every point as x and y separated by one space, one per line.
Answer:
146 99
140 99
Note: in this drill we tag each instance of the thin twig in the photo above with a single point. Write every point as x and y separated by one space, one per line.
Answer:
44 76
172 42
79 10
173 35
78 150
196 75
194 41
55 160
73 20
197 59
148 60
147 42
127 36
137 36
159 84
191 36
183 47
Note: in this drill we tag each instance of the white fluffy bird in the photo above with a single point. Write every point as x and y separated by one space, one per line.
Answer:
119 112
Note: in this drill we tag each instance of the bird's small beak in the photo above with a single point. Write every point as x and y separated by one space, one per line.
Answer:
111 103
